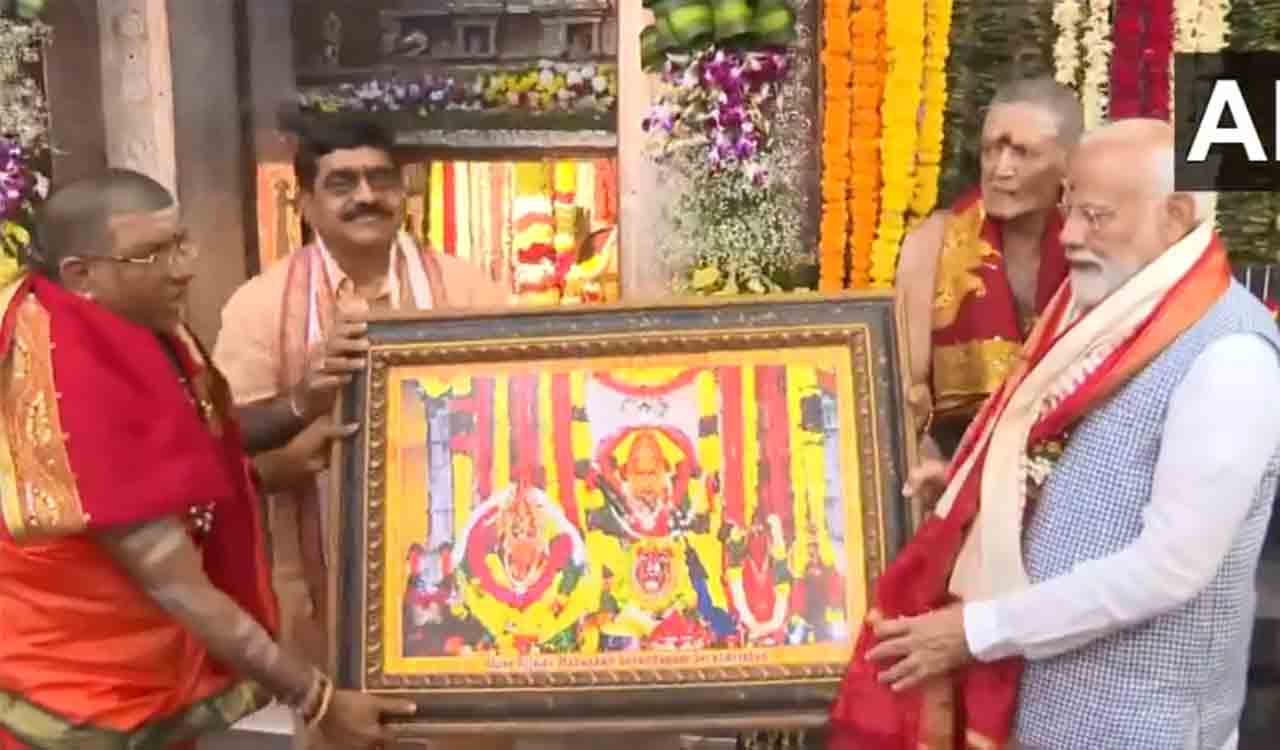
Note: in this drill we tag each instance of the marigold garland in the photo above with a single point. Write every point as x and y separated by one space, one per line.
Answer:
837 112
929 158
864 127
904 42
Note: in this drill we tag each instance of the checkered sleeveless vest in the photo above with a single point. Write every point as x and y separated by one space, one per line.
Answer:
1176 682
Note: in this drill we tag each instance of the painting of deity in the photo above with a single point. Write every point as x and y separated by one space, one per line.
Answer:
582 502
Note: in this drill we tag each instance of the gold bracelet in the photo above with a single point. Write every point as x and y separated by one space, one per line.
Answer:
324 705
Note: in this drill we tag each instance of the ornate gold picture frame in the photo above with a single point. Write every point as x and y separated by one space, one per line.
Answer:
618 517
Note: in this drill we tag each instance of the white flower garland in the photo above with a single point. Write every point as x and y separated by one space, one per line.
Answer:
1211 25
1200 25
1097 63
1066 50
1185 15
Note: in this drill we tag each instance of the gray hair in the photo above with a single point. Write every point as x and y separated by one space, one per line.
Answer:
1047 94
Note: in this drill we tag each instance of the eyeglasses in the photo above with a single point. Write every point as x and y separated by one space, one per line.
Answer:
178 253
343 182
1095 217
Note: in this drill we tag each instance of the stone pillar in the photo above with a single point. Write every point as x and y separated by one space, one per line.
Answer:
644 276
137 87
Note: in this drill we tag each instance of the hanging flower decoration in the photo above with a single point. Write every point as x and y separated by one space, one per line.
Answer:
1157 59
1211 25
712 120
1094 95
1140 75
547 87
904 42
1126 69
837 113
24 137
728 143
718 103
934 105
869 67
1066 49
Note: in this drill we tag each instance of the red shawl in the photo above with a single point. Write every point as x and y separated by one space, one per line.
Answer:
136 448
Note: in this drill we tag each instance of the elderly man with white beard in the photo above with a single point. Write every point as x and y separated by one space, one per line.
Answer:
1087 577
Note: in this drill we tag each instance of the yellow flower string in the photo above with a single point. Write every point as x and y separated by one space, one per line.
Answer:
565 210
867 26
834 236
904 43
929 158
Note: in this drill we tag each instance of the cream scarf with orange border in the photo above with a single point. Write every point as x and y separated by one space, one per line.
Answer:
990 562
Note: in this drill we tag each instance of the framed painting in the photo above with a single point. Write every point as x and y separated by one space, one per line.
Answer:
618 518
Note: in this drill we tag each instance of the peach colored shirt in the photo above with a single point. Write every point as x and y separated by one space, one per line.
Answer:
248 352
248 346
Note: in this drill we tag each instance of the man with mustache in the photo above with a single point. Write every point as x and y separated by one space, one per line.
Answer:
136 606
973 278
304 313
1087 578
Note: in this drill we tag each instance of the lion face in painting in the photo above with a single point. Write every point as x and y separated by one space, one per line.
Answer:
653 571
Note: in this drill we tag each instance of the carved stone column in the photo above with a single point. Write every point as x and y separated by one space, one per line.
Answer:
137 87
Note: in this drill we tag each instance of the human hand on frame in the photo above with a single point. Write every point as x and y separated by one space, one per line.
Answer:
928 479
331 365
354 720
304 456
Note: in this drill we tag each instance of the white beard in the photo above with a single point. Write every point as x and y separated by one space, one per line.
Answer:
1090 286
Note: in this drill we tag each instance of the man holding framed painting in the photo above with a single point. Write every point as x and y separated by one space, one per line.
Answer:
133 585
308 306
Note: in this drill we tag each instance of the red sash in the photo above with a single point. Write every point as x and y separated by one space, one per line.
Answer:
136 446
977 332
